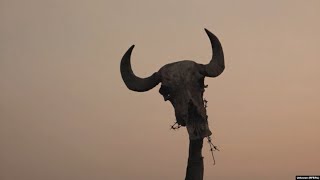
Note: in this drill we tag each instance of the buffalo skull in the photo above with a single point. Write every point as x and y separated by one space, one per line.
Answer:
182 83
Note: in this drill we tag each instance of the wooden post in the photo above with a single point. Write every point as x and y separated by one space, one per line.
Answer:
195 161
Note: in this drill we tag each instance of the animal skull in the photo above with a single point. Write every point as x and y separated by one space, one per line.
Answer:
182 83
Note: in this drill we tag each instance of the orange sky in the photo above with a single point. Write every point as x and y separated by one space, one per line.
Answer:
65 113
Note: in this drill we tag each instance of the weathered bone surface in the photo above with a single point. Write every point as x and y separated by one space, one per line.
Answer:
182 83
183 86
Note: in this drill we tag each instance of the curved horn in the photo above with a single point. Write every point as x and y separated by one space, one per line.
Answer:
133 82
216 65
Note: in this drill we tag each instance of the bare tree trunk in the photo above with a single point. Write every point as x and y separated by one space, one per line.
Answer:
195 161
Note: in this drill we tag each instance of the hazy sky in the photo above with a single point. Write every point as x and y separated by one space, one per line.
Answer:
65 113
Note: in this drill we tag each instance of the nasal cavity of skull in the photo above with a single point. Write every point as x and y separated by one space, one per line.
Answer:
165 91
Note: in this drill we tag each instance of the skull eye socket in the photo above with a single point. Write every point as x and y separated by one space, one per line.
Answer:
165 91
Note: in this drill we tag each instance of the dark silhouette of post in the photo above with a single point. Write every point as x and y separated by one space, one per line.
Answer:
195 166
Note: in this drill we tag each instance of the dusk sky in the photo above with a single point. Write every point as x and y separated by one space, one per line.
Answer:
65 113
